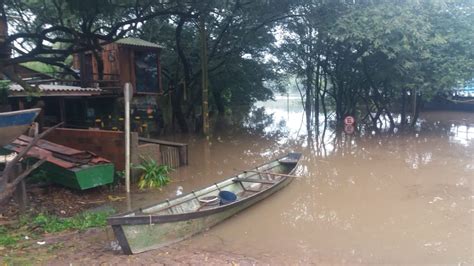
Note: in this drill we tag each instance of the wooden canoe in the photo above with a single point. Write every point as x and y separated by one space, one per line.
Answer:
13 124
184 216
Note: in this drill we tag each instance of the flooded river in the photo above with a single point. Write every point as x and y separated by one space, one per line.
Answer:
377 198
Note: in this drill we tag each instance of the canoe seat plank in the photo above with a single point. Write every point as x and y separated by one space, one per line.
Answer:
254 180
252 190
287 161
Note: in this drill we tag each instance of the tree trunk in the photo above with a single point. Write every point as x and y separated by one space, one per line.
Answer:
309 89
100 64
176 96
205 77
5 49
403 114
323 100
219 101
416 108
317 89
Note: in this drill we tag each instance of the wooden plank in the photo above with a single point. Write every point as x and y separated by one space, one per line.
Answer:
163 142
269 173
183 155
254 180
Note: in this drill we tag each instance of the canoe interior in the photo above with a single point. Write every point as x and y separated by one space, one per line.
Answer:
254 181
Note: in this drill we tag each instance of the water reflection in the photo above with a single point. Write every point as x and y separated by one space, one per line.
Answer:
371 197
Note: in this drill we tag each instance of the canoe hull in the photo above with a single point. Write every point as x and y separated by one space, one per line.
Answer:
173 220
139 238
13 124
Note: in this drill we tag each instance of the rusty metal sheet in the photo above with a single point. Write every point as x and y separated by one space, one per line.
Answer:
47 145
57 154
40 153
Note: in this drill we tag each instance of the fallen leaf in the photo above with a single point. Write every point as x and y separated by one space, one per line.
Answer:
115 198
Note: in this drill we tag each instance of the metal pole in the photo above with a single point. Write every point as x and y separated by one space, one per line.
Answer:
127 92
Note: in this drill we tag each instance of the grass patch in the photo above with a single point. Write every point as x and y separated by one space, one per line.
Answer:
52 224
7 239
32 227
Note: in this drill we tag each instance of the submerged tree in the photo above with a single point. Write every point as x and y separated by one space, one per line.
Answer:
373 53
238 35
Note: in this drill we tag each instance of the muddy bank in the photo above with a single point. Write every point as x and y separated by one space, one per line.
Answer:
94 247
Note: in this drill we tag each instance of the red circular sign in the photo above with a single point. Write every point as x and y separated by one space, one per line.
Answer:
349 120
349 129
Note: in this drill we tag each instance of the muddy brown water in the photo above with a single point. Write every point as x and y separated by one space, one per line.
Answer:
376 198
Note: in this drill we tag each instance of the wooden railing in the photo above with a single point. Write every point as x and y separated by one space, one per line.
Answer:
173 154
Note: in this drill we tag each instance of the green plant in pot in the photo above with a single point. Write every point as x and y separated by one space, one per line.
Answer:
153 175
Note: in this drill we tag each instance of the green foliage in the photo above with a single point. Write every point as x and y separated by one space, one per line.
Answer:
355 54
238 38
154 175
51 224
41 67
364 55
44 223
7 239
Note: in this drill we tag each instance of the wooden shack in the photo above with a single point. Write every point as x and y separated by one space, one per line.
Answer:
126 60
95 100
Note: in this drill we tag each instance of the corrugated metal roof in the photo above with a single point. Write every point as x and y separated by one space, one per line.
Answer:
56 90
138 42
52 87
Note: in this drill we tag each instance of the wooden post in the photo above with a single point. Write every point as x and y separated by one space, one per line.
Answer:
21 104
21 196
158 70
204 68
62 110
183 155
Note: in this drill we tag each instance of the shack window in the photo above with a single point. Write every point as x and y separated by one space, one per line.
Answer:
146 71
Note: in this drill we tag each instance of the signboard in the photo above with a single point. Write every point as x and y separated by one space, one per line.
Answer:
349 120
349 129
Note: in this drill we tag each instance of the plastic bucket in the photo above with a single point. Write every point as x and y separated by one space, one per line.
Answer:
227 197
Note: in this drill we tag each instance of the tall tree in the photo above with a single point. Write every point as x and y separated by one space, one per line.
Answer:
49 31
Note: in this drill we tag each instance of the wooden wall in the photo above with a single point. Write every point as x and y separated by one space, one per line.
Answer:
118 63
107 144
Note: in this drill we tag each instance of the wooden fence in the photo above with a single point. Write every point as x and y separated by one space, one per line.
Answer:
172 153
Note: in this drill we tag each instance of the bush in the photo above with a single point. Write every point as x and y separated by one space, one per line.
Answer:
154 175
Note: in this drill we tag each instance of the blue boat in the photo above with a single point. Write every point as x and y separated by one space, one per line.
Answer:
13 124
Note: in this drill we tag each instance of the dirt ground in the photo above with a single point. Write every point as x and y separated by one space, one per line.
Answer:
94 247
59 201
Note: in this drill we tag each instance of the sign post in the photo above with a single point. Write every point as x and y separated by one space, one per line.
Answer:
127 93
349 122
